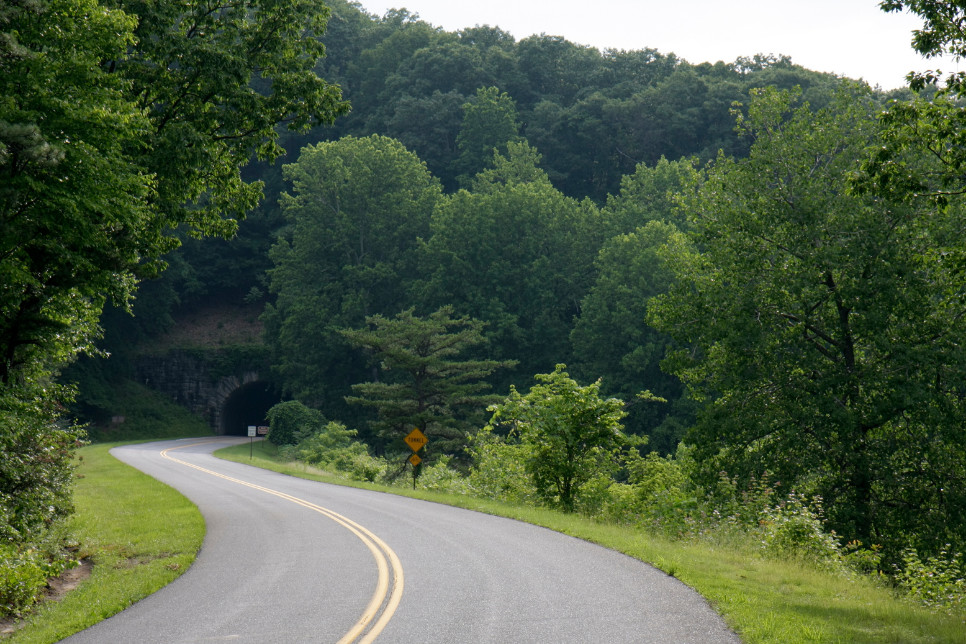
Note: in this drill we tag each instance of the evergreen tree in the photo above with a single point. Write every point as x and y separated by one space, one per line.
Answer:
424 385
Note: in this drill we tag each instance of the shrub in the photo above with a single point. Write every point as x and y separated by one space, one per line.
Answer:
24 572
290 421
656 495
36 468
440 477
21 580
937 582
793 529
572 433
499 469
332 448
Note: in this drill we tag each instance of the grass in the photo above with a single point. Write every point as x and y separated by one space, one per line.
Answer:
764 601
140 533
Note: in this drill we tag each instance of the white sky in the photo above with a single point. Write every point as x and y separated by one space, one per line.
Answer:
849 37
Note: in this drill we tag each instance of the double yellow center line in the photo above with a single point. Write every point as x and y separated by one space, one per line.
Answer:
389 587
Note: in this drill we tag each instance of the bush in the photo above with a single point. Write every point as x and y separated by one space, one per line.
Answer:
36 468
499 469
291 421
24 571
572 433
656 495
939 582
794 529
21 580
440 477
332 448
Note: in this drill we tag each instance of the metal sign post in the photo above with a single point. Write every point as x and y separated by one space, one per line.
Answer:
416 440
251 440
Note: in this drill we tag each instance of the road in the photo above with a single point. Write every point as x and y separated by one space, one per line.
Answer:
290 561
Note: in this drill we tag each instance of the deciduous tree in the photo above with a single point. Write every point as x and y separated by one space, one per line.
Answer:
357 210
824 328
572 433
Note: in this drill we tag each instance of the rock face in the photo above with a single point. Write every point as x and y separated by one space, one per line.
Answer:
187 379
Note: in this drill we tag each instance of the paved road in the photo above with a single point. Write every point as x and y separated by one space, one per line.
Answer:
275 569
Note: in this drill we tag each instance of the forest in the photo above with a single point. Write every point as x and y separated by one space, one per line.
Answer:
611 282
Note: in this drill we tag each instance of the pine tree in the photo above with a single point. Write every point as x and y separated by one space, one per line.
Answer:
425 385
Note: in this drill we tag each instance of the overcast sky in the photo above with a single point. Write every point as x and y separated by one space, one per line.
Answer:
849 37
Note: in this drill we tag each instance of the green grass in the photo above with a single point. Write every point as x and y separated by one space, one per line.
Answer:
140 533
148 415
765 601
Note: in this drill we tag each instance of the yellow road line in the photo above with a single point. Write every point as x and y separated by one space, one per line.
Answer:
380 552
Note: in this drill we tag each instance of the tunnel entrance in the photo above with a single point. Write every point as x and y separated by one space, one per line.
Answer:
247 405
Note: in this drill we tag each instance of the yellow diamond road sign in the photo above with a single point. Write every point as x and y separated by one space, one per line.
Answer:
416 439
415 460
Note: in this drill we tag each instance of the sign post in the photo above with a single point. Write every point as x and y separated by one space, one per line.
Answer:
416 441
251 440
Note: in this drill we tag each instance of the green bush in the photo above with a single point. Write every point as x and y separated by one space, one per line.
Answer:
499 469
573 434
291 421
24 572
939 582
332 448
793 529
440 477
36 469
21 581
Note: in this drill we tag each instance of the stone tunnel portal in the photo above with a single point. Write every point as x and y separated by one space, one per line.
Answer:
247 405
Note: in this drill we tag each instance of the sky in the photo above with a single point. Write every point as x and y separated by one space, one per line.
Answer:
848 37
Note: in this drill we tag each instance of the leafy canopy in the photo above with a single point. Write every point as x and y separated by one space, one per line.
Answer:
824 327
357 210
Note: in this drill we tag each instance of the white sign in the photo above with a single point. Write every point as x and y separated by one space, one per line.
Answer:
251 430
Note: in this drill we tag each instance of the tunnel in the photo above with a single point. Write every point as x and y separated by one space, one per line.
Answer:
247 405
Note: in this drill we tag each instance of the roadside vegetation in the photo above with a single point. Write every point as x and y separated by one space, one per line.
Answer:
715 305
139 534
768 595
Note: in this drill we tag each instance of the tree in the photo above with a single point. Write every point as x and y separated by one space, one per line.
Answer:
649 195
515 253
121 121
167 102
572 433
613 342
488 125
424 386
940 35
73 214
824 328
918 129
215 86
429 126
359 206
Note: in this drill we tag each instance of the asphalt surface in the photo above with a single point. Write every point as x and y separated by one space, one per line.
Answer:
274 571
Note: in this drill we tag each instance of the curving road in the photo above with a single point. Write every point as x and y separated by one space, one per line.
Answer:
288 561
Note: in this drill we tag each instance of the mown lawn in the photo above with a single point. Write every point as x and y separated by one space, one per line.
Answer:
765 601
140 534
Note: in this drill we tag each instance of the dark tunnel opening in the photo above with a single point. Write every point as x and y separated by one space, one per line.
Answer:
247 405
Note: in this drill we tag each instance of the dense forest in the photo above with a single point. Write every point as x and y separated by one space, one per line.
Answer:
754 268
607 135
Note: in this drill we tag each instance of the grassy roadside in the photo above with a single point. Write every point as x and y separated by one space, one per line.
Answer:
140 533
766 602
